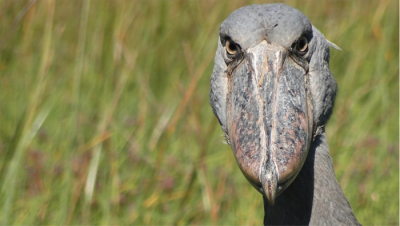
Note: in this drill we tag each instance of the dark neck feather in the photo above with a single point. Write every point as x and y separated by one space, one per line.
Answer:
314 197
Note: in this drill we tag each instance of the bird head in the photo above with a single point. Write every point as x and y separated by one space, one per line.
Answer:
272 92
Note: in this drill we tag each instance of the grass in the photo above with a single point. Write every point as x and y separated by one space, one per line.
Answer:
105 114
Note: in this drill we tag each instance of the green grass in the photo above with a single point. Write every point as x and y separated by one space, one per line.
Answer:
105 116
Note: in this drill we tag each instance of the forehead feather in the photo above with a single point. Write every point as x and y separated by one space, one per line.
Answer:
279 23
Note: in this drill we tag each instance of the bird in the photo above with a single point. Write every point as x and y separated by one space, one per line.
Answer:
272 92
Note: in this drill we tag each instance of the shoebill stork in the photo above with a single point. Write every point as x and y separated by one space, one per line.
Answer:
272 92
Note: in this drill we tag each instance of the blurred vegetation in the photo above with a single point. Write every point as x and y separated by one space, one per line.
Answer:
105 116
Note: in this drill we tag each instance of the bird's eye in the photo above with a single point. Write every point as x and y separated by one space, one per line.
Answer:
302 44
231 48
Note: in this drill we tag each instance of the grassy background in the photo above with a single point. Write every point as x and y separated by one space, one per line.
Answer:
105 116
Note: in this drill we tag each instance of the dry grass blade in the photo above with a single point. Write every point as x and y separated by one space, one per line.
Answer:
192 85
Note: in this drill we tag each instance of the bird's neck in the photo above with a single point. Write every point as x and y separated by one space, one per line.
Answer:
314 197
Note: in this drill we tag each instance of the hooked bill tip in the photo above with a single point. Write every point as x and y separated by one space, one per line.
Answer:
269 183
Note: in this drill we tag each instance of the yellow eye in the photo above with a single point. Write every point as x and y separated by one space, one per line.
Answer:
230 48
302 44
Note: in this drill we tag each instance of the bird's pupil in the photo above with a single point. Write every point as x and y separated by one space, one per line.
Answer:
302 45
230 47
